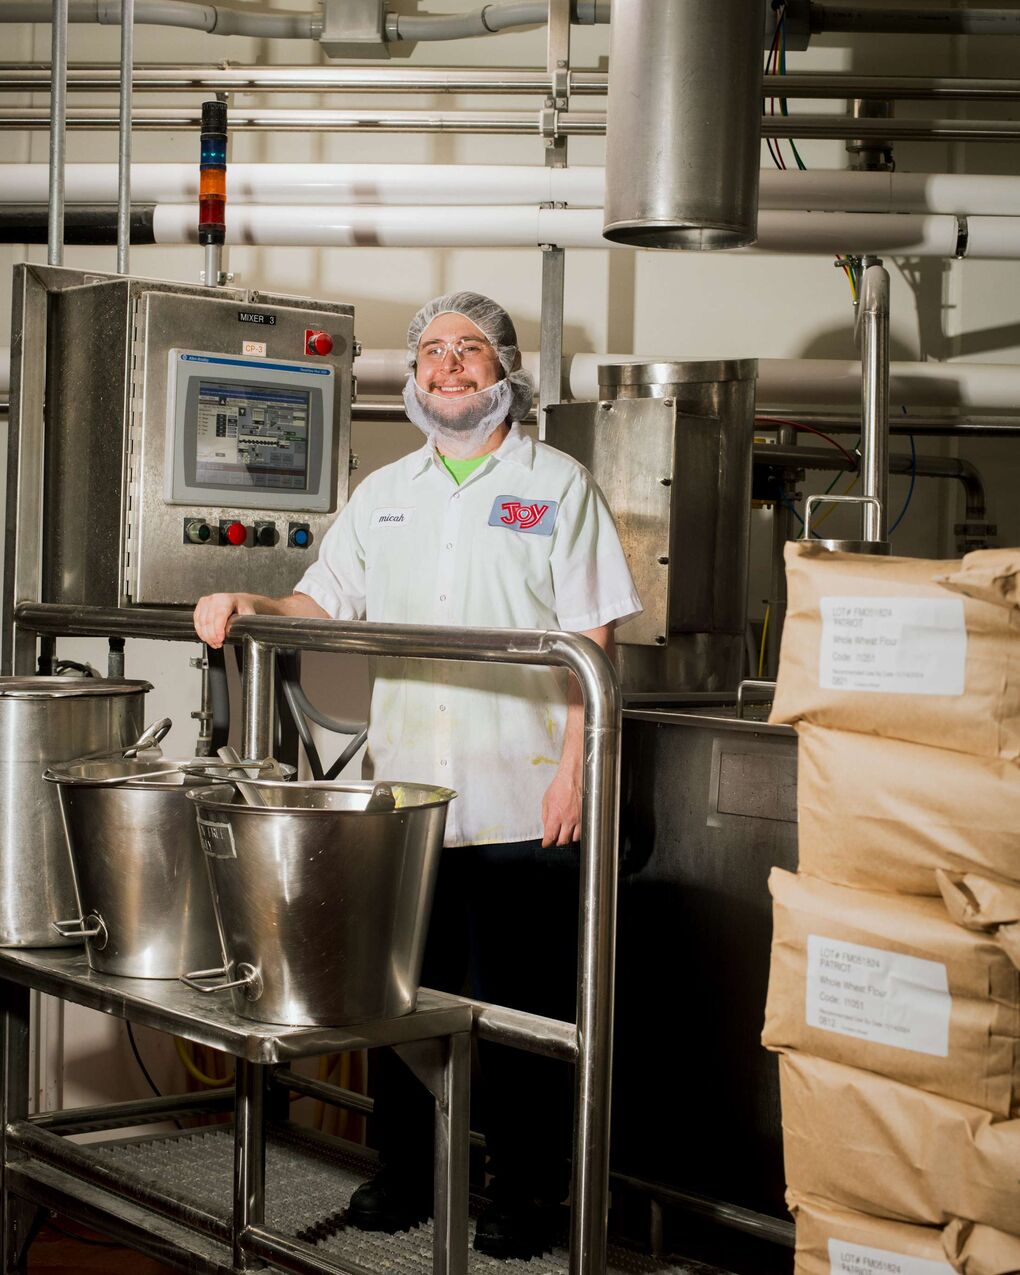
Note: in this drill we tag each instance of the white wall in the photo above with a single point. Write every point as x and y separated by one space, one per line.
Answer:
686 306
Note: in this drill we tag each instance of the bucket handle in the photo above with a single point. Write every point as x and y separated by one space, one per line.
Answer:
151 737
84 927
250 980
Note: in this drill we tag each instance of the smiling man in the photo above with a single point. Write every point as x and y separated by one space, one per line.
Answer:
481 527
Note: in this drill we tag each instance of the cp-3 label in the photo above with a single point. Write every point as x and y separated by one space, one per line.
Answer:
517 513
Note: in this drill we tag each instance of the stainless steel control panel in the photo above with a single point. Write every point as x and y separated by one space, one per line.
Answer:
198 440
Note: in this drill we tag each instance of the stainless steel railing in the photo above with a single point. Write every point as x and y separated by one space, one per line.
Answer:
589 1039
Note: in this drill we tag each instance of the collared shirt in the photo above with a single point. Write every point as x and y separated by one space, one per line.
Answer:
525 542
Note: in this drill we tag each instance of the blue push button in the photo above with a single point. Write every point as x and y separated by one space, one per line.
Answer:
300 535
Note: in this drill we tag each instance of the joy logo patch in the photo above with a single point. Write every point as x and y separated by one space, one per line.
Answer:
516 514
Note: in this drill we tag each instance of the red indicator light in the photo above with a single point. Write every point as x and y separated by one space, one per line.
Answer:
237 533
212 211
318 342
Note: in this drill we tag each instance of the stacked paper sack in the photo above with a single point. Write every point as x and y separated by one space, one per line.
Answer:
894 990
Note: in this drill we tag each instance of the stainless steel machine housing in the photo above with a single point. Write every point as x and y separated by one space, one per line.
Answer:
671 444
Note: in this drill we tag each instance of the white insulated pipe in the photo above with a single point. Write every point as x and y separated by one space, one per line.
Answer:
406 226
972 389
833 190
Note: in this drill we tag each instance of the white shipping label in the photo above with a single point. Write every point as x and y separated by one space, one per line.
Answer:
884 997
859 1259
909 646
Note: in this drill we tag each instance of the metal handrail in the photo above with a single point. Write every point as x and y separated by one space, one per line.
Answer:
600 689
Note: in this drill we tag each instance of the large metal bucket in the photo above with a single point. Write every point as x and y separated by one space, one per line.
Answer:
43 721
323 907
144 907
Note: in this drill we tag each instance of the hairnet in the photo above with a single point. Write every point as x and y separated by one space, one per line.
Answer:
495 325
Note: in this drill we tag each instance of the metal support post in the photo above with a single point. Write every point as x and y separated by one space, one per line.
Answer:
14 1019
558 63
781 527
873 319
257 703
444 1068
58 126
127 57
249 1157
551 339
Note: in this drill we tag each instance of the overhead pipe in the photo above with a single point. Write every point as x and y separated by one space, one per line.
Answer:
127 37
989 238
504 123
217 19
986 394
93 77
877 16
966 474
825 190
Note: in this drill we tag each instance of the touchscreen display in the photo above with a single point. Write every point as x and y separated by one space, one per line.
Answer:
252 436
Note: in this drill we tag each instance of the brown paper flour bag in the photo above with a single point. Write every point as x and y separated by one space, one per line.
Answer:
884 814
876 645
990 907
991 575
892 984
978 1250
837 1241
880 1147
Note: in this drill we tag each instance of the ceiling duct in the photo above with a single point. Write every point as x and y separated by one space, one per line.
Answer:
683 134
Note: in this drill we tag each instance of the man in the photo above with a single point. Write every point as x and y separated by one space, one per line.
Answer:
481 527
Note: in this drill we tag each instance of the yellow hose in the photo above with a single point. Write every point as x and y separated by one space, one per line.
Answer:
212 1082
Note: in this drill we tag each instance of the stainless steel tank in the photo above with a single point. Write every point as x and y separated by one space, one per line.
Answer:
43 721
144 906
323 907
683 124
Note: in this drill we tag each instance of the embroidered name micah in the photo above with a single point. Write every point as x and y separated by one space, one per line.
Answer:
391 517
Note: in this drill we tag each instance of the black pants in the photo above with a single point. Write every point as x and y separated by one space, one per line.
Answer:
503 930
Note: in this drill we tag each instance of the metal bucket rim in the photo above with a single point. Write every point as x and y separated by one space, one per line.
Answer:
42 688
207 798
676 372
186 774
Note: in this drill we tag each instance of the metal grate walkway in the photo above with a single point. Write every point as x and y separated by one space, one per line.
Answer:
308 1185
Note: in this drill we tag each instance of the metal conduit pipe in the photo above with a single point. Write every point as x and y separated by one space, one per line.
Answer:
929 426
873 329
876 16
217 19
505 123
899 463
94 77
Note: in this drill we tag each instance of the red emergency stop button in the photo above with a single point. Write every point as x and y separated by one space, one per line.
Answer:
318 342
236 533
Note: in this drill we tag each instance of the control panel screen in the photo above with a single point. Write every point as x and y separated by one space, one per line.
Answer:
251 436
249 432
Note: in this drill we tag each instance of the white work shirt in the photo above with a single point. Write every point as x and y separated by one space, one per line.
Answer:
525 542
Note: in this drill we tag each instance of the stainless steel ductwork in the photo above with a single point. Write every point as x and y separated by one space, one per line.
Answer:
670 444
683 129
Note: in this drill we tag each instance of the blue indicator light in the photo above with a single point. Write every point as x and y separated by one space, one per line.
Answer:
301 537
214 151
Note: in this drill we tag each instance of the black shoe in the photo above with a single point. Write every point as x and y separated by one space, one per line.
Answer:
390 1202
520 1228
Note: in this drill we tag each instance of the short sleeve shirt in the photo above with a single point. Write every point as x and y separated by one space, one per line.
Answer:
526 542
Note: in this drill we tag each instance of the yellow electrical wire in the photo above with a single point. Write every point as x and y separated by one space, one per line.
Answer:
761 649
191 1068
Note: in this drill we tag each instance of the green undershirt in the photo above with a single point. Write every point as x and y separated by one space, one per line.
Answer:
461 469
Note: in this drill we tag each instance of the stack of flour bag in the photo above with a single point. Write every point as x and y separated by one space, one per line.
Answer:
894 988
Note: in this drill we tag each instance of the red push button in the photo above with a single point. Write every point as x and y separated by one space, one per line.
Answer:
236 533
318 342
